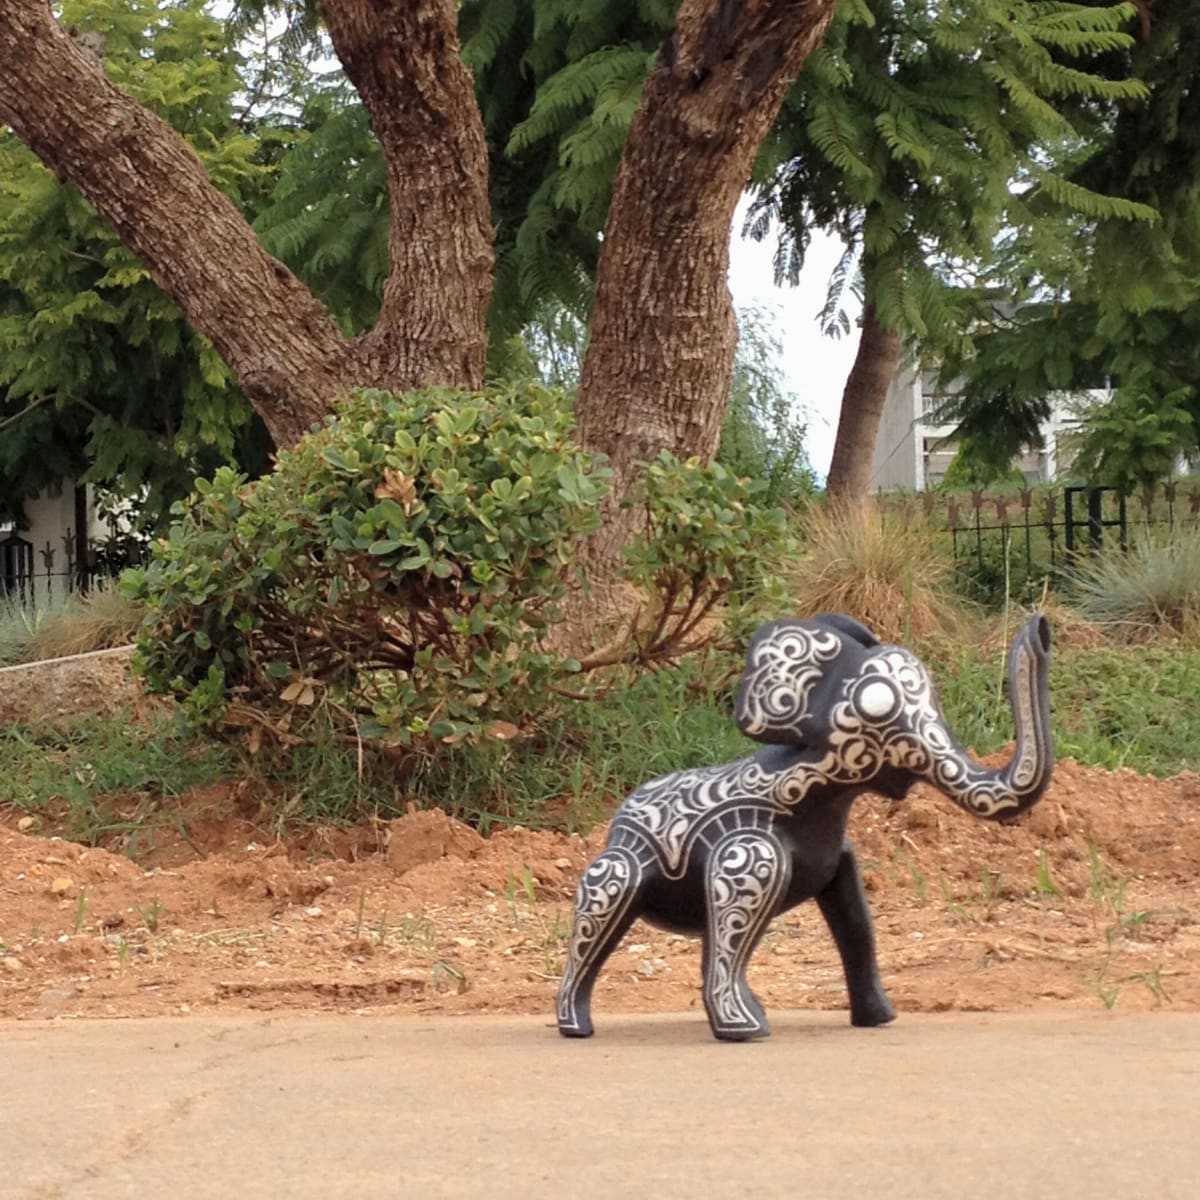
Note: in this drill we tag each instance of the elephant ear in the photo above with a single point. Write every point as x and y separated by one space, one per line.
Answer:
785 661
850 627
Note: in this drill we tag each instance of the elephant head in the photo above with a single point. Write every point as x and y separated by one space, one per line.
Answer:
869 713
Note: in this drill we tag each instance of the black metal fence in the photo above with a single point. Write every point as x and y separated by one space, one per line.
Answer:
35 575
1012 543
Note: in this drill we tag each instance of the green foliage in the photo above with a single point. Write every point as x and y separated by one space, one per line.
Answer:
99 373
394 575
556 128
1155 585
146 762
1103 298
917 134
762 437
976 466
327 215
1111 707
706 539
1133 442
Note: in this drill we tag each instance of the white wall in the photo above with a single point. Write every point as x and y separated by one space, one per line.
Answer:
897 462
50 516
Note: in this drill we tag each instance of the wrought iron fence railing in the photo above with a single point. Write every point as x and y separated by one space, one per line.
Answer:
1016 541
30 575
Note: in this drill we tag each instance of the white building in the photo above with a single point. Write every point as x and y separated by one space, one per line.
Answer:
50 543
913 453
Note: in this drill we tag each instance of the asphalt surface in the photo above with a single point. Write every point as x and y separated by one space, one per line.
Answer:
1047 1106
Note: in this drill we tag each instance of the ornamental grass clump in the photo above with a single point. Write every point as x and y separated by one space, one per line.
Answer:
881 570
1149 589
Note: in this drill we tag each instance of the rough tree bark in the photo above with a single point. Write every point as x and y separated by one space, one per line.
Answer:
277 338
660 356
867 385
402 57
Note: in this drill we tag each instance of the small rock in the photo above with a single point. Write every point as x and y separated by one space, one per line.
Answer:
314 911
465 941
62 886
563 864
25 824
185 1008
58 995
651 966
11 965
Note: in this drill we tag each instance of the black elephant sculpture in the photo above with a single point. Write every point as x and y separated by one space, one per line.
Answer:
720 851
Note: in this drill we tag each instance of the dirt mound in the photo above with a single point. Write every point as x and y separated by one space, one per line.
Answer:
65 688
1088 900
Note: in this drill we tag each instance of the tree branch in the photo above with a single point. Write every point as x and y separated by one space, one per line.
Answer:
151 188
709 102
402 56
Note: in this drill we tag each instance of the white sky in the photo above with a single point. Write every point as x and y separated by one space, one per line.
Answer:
814 367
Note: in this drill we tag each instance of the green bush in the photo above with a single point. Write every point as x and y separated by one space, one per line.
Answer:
708 541
396 571
395 577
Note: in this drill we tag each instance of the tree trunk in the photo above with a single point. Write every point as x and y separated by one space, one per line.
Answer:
148 185
403 58
659 360
866 390
277 338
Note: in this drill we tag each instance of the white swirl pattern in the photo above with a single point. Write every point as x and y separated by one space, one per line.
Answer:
746 877
605 892
781 672
671 814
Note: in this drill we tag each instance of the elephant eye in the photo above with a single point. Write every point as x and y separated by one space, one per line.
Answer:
876 698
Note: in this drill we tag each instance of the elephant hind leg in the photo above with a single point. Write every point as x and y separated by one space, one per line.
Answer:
606 904
843 904
747 875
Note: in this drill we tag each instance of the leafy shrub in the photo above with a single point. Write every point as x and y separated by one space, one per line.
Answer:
395 577
707 542
396 570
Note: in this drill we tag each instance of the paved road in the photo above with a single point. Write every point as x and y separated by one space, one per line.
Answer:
1056 1106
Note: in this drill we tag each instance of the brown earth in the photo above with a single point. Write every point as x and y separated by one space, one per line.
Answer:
1090 901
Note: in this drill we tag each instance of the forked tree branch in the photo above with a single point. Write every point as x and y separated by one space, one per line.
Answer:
151 188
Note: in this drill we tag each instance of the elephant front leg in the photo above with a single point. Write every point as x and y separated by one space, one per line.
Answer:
604 909
746 875
843 904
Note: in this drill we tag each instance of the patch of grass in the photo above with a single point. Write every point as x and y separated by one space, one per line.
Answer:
78 767
1111 706
70 624
579 766
1151 587
882 570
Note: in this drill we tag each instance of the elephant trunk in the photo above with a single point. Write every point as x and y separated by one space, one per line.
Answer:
1018 785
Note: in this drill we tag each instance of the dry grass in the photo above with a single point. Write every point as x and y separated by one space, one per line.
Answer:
74 624
1143 593
878 569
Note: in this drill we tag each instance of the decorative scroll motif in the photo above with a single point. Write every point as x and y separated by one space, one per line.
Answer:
605 892
746 877
781 672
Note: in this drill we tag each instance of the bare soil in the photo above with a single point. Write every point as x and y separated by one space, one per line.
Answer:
1089 901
